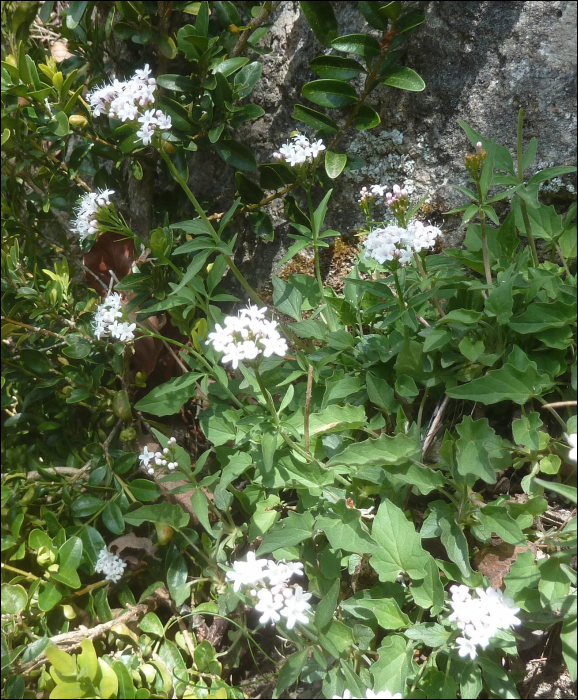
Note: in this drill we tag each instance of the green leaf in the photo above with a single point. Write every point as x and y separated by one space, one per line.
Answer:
112 518
144 490
327 605
93 543
330 93
201 509
74 14
87 660
500 302
286 298
523 574
287 533
178 83
150 624
126 687
394 664
470 350
568 639
168 398
366 118
496 519
344 530
70 554
370 11
454 540
247 78
86 505
430 633
400 545
313 118
236 154
498 681
569 492
249 191
48 596
64 663
509 383
385 610
168 513
410 20
378 451
273 176
549 173
291 669
230 65
403 78
539 316
334 163
336 67
380 393
167 46
525 431
357 44
429 591
262 225
321 18
14 599
480 452
67 577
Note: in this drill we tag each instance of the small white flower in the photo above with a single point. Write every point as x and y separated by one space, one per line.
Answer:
151 471
296 606
246 573
466 648
146 457
269 605
111 565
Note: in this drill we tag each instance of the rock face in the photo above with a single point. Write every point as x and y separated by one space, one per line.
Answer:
481 62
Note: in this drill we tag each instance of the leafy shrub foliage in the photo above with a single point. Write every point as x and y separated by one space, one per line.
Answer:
197 498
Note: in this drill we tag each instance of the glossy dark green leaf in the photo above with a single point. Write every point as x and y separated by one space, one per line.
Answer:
262 225
236 154
249 191
330 93
74 14
246 79
403 78
178 83
370 10
366 118
144 490
313 118
112 518
321 19
357 44
274 176
168 398
230 65
168 513
336 67
409 21
86 505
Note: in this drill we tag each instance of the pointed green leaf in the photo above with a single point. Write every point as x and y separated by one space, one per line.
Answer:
330 93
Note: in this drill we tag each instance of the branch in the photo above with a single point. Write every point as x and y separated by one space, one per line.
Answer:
261 18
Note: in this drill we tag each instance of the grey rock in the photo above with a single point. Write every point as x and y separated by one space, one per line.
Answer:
481 62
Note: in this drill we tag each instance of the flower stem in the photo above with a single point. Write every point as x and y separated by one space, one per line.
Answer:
329 318
214 235
523 208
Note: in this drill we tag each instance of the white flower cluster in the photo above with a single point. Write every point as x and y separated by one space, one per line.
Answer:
299 150
397 243
160 458
370 695
111 565
573 442
85 223
480 618
126 100
269 582
246 336
106 320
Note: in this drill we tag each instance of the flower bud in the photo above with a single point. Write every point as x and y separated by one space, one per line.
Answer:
78 121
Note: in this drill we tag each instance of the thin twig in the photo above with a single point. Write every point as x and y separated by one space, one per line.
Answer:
34 329
435 425
560 404
267 10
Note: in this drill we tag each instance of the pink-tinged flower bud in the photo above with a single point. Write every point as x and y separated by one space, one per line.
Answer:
479 145
396 189
403 193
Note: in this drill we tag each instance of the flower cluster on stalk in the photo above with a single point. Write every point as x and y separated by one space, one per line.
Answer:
86 221
246 336
480 618
268 582
111 565
299 149
166 458
108 320
128 100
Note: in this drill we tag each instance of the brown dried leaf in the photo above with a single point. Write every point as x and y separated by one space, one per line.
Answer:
139 545
495 561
